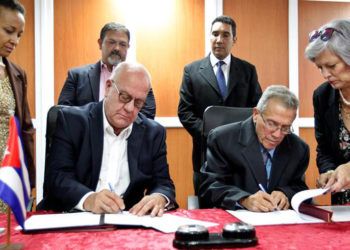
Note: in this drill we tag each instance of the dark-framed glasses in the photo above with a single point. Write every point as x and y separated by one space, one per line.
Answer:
273 126
324 34
126 98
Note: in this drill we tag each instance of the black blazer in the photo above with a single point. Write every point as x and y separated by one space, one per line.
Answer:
83 86
235 167
18 80
200 89
76 157
327 124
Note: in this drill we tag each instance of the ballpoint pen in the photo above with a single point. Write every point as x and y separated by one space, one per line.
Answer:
112 190
263 189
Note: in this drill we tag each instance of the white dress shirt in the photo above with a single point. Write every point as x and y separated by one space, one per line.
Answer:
225 67
114 173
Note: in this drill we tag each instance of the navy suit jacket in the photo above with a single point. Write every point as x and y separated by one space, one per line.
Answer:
235 167
327 124
83 86
200 89
76 157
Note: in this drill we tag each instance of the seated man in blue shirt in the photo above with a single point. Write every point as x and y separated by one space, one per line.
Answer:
257 164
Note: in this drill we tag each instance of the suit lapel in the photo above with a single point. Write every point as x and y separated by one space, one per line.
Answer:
331 117
94 80
280 161
96 140
207 72
251 152
234 75
134 141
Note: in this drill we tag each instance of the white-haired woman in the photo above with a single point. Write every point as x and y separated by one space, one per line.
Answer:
329 49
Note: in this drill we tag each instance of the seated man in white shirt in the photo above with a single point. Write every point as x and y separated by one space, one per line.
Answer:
106 157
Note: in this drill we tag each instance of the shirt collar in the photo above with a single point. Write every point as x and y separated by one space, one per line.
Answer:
105 67
2 62
107 128
271 151
214 60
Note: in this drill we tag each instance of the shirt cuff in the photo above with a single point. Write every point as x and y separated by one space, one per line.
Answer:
80 204
166 207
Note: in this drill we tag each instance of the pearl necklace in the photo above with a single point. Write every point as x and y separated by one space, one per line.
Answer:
343 99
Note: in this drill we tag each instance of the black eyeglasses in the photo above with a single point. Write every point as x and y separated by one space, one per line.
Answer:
324 34
126 98
273 126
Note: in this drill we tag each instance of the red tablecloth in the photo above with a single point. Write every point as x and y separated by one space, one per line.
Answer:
302 236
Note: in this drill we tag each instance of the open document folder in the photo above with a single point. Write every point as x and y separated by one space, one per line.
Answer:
301 213
168 223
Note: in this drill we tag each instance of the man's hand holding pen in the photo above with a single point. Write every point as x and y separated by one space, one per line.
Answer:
105 201
262 201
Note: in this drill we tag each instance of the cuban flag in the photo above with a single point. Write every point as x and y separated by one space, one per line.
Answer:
14 179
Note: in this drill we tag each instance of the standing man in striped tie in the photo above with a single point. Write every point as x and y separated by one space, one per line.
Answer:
218 79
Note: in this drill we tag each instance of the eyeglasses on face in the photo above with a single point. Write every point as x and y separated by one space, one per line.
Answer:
324 34
126 98
273 126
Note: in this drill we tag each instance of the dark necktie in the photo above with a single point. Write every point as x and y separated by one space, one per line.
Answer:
221 79
267 163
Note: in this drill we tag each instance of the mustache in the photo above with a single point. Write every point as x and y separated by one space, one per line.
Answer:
114 53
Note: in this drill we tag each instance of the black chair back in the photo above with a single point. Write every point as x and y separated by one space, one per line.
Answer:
215 116
50 131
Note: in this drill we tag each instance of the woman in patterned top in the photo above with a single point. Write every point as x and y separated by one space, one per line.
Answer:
13 83
329 49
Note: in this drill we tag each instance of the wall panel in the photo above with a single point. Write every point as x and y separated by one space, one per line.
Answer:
307 134
77 26
23 55
312 15
262 37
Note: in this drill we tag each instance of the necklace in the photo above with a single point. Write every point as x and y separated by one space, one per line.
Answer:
343 99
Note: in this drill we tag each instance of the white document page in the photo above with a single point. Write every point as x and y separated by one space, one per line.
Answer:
168 223
65 220
340 213
301 196
273 218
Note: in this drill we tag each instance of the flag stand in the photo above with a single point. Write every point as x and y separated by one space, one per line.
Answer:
8 245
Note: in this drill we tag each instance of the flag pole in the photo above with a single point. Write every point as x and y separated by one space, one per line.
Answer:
8 230
8 245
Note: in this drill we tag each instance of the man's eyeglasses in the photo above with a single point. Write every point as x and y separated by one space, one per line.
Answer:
324 34
126 98
273 126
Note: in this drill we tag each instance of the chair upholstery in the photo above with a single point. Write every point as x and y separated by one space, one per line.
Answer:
50 131
215 116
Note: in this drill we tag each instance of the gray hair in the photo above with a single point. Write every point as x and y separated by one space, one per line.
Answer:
338 44
280 92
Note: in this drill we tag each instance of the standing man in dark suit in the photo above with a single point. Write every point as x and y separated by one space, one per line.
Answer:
106 156
257 164
201 85
88 83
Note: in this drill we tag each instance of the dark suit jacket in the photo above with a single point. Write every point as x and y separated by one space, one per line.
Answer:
326 112
18 80
235 167
76 157
200 89
83 86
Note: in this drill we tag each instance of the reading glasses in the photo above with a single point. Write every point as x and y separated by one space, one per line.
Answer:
126 98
